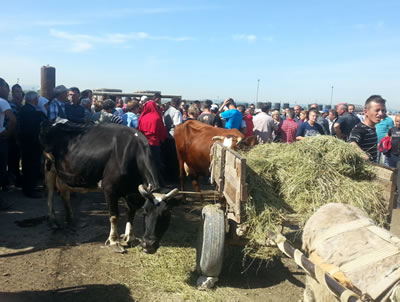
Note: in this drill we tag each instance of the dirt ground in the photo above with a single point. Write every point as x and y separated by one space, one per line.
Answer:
40 264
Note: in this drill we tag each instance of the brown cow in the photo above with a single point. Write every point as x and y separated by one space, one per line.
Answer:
193 141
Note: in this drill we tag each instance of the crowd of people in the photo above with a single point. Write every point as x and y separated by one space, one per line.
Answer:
21 115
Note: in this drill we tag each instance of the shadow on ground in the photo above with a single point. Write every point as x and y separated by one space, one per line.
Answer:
84 293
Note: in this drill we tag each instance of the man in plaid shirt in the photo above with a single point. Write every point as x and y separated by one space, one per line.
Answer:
289 128
57 105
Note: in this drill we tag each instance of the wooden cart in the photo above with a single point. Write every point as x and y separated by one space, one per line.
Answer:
228 172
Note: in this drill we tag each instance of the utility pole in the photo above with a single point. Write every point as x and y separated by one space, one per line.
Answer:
331 96
258 86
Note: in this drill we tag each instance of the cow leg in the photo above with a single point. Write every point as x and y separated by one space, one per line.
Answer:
196 187
66 197
128 237
113 238
181 173
195 184
50 175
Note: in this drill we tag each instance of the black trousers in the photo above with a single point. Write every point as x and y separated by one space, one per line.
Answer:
14 157
31 165
169 160
3 161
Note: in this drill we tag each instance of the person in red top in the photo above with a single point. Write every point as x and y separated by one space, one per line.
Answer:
289 128
152 126
248 119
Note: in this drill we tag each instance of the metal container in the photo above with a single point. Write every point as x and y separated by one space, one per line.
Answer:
47 81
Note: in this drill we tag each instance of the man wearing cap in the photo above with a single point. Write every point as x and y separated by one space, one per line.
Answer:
57 105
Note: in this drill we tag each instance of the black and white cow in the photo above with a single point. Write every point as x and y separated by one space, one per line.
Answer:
111 158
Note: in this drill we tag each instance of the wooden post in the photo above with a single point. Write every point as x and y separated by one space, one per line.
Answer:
47 81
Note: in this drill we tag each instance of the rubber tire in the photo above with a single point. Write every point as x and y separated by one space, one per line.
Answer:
210 248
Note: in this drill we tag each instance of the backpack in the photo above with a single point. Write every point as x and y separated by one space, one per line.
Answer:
385 145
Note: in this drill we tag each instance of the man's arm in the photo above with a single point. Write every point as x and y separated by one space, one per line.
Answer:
222 106
11 123
53 110
354 139
336 128
299 133
363 154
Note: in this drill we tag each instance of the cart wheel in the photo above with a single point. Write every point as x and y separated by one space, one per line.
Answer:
210 249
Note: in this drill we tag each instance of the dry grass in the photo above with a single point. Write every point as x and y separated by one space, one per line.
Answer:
169 274
287 182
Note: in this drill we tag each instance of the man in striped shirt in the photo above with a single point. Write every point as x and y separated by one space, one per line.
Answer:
363 134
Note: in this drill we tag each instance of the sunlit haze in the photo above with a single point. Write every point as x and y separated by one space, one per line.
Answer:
209 49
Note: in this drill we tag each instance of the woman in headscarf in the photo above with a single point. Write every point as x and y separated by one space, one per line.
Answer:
152 126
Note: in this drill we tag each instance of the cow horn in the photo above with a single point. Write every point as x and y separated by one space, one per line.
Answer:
218 137
170 194
144 191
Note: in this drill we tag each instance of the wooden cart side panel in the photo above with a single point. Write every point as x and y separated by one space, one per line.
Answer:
229 174
218 165
387 178
235 189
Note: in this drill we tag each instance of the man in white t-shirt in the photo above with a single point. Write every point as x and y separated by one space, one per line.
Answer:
5 111
172 117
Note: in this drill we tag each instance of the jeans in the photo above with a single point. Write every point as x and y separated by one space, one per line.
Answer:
390 160
381 158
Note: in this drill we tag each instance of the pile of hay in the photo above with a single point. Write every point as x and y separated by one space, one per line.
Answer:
289 182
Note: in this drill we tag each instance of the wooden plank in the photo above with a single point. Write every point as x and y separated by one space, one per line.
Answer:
207 192
229 173
384 173
218 162
387 186
395 224
235 184
387 178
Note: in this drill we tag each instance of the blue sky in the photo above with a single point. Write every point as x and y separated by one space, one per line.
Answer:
209 49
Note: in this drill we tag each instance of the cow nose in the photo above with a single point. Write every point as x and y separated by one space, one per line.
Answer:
149 246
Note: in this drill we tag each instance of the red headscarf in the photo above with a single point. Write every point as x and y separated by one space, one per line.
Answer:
151 124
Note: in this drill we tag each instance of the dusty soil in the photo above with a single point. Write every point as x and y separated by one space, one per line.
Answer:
40 264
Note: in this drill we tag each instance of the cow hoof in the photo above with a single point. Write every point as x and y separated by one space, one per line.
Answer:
128 240
53 224
115 246
204 283
71 229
